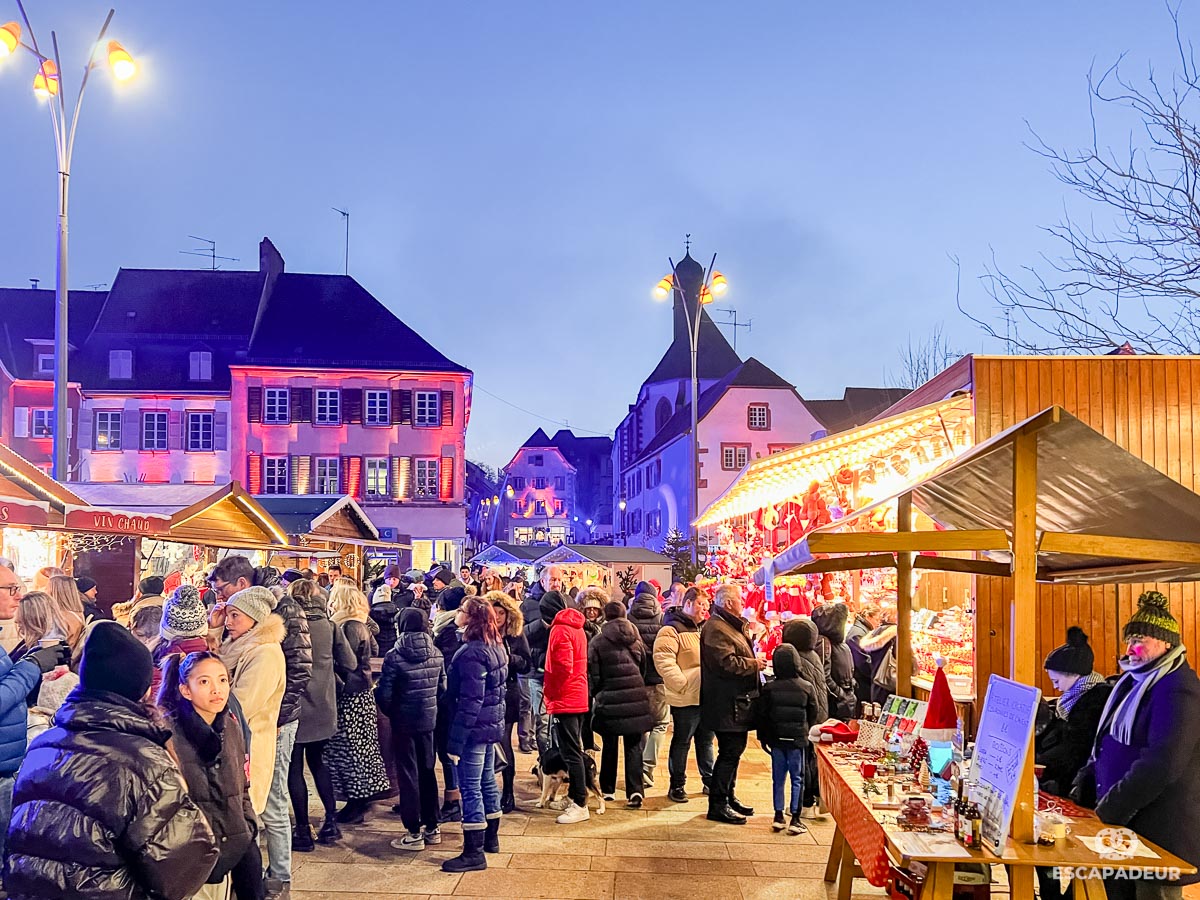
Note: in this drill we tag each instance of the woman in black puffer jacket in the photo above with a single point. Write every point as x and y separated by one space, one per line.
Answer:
475 702
620 703
838 662
511 625
99 808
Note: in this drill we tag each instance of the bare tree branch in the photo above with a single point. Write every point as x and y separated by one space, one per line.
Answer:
920 360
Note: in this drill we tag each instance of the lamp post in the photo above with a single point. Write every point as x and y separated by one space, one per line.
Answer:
47 86
696 287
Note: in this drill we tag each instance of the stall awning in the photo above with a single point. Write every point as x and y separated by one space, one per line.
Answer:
321 517
1102 514
503 553
602 555
944 428
22 480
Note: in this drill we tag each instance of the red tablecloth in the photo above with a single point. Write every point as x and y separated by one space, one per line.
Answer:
841 791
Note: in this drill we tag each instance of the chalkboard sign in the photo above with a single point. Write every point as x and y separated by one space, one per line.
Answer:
1001 747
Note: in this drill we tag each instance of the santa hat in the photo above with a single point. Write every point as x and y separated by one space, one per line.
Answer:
941 716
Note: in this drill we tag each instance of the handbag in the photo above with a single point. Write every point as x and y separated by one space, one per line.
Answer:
745 709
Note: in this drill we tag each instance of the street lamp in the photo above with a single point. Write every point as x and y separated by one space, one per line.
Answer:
47 86
696 287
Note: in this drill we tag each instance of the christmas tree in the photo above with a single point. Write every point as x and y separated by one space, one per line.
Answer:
679 548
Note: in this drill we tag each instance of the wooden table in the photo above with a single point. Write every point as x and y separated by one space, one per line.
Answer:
867 842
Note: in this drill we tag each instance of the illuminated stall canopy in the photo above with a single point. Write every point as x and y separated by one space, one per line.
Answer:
332 519
507 556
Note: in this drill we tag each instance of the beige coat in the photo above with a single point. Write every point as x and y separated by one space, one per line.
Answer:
677 658
258 675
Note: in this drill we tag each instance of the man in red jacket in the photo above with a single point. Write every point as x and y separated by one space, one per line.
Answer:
566 696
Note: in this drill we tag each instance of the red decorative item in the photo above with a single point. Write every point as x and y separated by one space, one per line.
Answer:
941 715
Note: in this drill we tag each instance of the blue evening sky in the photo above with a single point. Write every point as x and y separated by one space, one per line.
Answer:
518 173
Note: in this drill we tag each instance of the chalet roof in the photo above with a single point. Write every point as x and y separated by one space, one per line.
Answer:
857 406
28 314
304 515
605 554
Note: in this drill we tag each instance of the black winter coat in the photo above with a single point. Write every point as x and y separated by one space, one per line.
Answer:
358 679
802 634
537 629
789 703
100 810
297 654
617 661
519 661
318 706
212 759
475 696
836 658
384 615
411 683
646 614
1065 745
728 671
446 635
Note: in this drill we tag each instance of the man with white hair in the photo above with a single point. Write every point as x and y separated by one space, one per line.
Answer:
729 683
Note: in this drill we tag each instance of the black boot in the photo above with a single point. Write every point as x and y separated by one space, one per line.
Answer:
471 859
353 813
508 803
739 807
329 832
302 840
451 811
491 836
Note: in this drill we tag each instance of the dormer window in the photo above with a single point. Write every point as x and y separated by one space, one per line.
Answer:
120 364
45 363
200 365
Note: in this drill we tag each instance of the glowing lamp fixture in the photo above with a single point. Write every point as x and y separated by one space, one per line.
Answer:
120 62
662 290
10 37
588 523
45 82
510 492
495 499
706 295
719 284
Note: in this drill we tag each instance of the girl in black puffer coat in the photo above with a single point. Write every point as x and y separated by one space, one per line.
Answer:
511 625
789 709
836 658
802 634
100 790
620 704
410 685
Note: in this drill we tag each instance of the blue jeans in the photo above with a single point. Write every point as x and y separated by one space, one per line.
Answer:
276 817
6 794
787 760
477 781
687 727
537 707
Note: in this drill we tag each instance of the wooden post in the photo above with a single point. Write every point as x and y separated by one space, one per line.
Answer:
904 582
1023 625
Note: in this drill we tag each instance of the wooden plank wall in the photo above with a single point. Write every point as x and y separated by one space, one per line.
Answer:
1149 406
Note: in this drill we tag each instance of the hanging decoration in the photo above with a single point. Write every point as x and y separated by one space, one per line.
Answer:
95 543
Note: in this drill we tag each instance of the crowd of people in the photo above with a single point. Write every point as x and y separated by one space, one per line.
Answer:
171 746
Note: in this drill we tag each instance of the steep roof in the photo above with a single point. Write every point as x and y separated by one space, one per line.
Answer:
715 358
856 407
538 439
750 374
27 314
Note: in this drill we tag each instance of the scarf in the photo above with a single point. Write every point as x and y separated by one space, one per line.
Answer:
231 652
341 617
1075 691
1119 714
207 739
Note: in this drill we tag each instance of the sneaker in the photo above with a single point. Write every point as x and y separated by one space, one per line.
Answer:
777 824
275 889
811 812
433 837
573 814
414 840
796 826
678 795
634 802
648 777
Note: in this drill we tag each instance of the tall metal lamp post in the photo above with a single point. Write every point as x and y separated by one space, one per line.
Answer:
47 86
696 287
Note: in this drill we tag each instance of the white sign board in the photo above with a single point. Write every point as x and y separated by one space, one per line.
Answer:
1001 748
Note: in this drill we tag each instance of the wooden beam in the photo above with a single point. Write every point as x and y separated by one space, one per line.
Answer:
904 591
1120 547
970 566
845 564
1024 606
911 542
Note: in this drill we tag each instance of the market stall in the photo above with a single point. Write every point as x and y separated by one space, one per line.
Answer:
508 558
30 503
616 569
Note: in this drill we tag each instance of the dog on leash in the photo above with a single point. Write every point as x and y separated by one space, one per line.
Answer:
552 774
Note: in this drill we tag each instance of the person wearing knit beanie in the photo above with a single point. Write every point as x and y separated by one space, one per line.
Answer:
115 661
184 615
256 602
1075 657
1153 619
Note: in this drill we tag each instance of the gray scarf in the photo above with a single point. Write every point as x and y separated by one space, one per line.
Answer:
1119 715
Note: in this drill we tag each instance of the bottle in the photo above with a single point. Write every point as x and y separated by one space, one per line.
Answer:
958 812
975 819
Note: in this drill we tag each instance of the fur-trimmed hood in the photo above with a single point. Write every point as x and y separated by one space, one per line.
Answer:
878 639
270 630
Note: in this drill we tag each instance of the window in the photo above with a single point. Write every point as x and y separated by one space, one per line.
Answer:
539 483
558 507
200 432
377 476
120 364
108 430
379 408
537 459
758 417
653 522
200 365
518 482
427 478
275 475
560 482
539 508
275 406
427 409
522 506
734 456
154 431
42 425
329 407
328 475
45 363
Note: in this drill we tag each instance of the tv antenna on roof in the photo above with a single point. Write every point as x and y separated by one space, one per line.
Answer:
735 324
345 214
210 251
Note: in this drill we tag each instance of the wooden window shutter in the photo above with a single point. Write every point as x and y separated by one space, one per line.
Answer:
404 483
768 418
297 480
21 421
344 475
254 404
395 473
395 407
131 429
254 473
353 466
446 477
406 407
174 430
85 429
220 431
352 405
300 403
447 408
